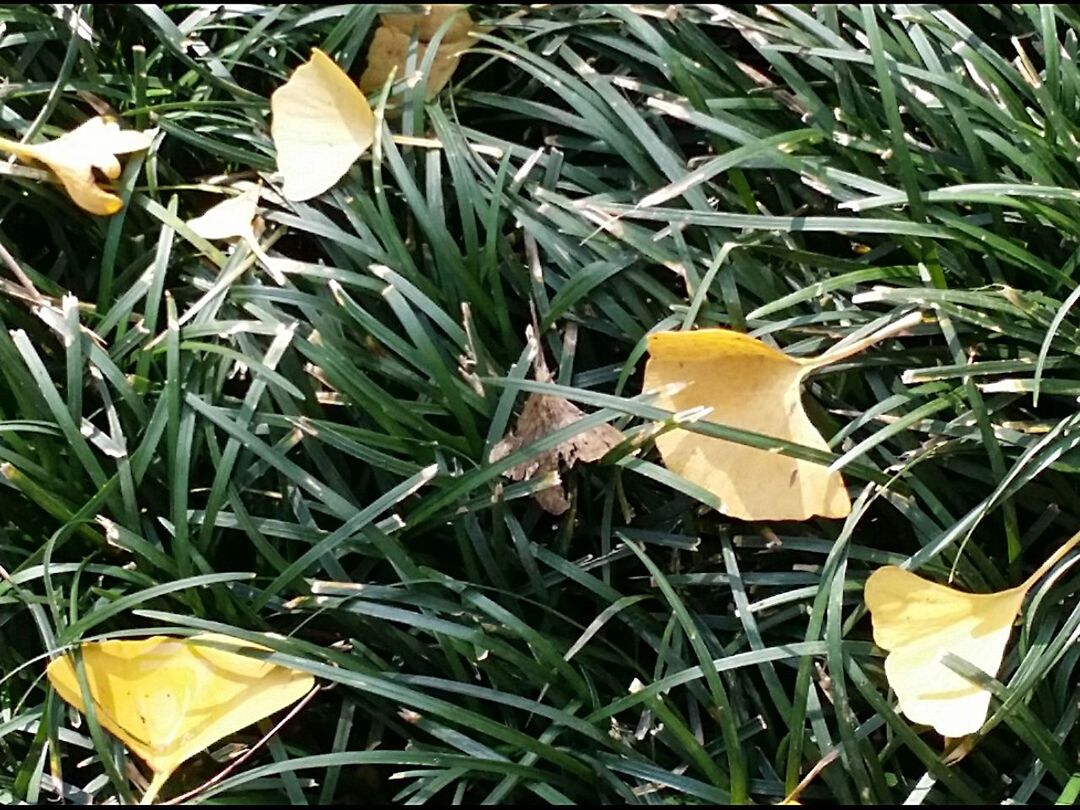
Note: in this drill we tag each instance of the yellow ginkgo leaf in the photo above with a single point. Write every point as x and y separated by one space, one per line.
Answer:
389 53
229 219
169 698
74 156
427 23
919 622
321 123
751 386
233 219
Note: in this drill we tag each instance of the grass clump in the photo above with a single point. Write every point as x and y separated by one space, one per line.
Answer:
188 445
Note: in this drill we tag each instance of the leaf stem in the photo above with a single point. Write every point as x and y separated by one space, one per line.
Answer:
160 777
1043 569
835 355
236 763
23 150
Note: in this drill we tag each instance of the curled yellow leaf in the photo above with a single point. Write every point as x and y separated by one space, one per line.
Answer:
320 123
168 698
919 622
74 156
752 386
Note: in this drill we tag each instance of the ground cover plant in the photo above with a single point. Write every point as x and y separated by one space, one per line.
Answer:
310 427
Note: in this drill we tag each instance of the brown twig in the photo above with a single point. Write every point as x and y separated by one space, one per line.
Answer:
21 276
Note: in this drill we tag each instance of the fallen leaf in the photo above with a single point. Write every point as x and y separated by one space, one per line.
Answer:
75 155
919 622
389 50
541 416
233 219
168 698
229 219
429 22
749 385
389 53
321 123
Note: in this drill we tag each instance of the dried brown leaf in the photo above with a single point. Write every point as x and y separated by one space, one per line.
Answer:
543 415
432 18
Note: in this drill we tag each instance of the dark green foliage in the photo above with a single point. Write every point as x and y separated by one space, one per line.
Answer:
189 445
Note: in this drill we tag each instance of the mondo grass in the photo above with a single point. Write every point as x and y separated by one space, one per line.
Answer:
188 444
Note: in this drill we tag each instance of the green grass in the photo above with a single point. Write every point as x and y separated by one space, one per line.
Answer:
188 445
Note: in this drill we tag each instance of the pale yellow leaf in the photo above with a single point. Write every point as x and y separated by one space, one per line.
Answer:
919 622
74 156
229 219
167 698
321 123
